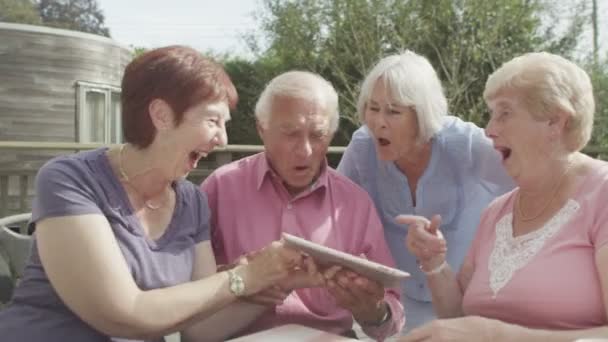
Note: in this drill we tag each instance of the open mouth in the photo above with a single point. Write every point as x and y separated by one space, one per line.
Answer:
195 156
504 152
383 142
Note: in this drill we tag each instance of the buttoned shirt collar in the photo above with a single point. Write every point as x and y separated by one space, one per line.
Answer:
265 171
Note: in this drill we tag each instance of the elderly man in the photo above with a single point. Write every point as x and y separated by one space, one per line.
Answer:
290 188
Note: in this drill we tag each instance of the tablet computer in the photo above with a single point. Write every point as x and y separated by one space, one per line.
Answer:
323 255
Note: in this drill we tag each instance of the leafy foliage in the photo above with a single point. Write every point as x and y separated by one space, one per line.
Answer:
250 79
19 11
599 77
464 39
78 15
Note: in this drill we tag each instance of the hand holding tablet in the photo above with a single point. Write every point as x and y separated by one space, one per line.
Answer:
387 276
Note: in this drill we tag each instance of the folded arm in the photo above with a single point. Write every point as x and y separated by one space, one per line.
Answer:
87 269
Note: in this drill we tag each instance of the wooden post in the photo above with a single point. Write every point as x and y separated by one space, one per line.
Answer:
3 195
23 196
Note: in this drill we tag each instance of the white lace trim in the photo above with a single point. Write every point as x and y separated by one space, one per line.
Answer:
510 254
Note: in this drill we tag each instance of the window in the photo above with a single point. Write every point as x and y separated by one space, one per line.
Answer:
98 113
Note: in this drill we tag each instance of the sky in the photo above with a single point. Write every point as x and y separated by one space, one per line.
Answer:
218 25
202 24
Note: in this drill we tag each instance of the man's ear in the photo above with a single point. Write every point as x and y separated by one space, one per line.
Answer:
161 114
260 129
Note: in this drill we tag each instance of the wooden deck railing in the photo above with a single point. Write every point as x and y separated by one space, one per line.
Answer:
18 202
17 184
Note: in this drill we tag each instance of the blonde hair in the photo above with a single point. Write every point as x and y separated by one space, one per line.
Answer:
548 83
301 85
411 81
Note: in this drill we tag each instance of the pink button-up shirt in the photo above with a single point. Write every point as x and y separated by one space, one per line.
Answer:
250 208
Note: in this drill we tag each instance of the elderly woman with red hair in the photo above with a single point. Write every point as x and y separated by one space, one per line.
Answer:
122 246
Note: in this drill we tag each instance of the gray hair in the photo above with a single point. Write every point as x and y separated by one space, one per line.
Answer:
548 83
301 85
412 82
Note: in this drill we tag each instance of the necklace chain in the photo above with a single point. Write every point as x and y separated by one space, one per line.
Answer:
525 218
127 180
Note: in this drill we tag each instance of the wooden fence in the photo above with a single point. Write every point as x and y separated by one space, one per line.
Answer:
17 185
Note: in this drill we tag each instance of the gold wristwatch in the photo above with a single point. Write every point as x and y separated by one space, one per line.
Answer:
236 283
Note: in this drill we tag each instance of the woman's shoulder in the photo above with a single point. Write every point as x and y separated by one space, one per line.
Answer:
78 165
455 130
362 137
464 141
361 148
595 177
598 167
188 191
79 159
455 140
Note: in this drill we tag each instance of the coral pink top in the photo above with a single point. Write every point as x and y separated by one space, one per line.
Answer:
547 278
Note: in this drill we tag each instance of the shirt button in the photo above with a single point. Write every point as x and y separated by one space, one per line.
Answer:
420 285
289 206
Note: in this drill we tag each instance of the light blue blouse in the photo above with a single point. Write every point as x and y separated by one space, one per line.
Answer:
464 174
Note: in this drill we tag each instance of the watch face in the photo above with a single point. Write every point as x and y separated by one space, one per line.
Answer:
237 286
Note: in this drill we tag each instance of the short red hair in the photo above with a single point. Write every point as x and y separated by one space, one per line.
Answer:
178 75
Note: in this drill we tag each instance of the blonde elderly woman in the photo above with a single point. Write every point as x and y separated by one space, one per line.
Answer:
412 158
538 267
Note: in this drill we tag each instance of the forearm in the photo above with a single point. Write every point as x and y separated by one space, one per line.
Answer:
157 312
446 293
240 314
511 332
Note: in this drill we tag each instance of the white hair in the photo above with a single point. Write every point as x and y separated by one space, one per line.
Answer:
412 82
301 85
549 83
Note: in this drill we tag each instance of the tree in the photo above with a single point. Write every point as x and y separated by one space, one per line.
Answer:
599 77
19 11
595 32
464 39
249 78
78 15
138 50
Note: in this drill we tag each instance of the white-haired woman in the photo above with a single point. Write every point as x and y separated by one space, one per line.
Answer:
538 266
413 158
